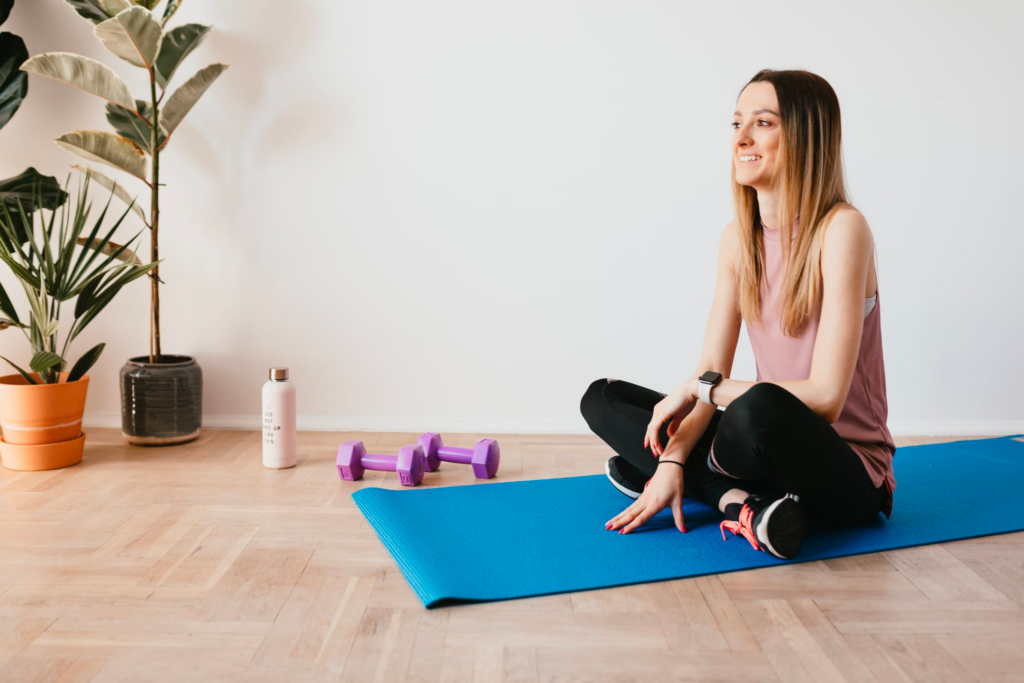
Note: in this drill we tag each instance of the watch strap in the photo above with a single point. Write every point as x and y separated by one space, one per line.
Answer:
704 392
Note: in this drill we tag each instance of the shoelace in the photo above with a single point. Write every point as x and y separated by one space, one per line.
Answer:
743 527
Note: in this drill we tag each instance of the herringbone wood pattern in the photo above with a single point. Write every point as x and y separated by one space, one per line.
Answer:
195 563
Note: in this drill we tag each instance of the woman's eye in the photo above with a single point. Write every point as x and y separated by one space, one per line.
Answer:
735 124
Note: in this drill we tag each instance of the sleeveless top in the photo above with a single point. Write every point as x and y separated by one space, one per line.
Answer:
862 422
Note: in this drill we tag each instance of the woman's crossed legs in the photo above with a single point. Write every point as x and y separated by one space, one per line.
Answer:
767 441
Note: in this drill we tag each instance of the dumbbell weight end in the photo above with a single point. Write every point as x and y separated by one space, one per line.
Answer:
353 460
484 456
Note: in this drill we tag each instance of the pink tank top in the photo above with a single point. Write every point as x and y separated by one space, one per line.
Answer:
862 422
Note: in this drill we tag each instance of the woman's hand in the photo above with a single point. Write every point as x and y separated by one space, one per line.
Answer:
665 489
676 406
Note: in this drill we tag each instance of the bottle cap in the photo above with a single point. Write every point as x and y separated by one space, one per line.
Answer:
279 374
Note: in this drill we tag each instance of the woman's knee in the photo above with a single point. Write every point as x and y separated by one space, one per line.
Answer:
593 404
743 430
749 414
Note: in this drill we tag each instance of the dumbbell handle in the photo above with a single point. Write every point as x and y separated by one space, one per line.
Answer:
380 463
463 456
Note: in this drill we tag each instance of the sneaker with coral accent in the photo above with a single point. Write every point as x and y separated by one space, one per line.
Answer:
625 477
772 523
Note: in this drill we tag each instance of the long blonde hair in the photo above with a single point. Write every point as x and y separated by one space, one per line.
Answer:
811 187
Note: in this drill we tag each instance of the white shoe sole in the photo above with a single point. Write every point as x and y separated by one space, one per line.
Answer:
608 471
762 529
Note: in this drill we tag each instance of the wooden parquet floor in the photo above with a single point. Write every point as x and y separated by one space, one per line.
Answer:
194 563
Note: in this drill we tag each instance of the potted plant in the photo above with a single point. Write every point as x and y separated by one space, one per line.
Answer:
41 411
161 394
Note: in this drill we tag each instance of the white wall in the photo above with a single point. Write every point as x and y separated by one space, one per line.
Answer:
456 215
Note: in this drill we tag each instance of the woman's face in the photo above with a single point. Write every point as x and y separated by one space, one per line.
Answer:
755 141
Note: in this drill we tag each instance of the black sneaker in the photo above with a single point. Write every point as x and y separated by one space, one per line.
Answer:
625 477
772 523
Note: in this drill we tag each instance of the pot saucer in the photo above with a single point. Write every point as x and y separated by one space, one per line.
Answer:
38 457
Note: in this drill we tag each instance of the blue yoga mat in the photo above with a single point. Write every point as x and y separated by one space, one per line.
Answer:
508 540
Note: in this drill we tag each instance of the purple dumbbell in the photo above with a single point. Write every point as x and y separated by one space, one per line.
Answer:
408 464
484 457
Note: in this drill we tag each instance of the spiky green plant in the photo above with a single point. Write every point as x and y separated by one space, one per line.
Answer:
57 260
130 30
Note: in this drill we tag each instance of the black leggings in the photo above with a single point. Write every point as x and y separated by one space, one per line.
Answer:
766 441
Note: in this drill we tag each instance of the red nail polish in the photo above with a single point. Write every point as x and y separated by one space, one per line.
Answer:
621 530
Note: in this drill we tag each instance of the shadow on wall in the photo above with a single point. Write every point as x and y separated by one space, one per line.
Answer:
257 122
260 40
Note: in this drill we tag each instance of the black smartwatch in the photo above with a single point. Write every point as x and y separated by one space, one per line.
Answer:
708 380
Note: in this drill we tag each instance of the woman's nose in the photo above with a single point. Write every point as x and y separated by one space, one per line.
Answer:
743 136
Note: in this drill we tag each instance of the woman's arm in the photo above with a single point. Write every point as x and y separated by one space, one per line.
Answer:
845 260
719 351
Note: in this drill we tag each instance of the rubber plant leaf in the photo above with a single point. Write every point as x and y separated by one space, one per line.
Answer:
115 7
112 185
90 10
5 9
32 190
128 125
106 148
133 35
112 249
169 10
184 98
13 81
177 44
83 73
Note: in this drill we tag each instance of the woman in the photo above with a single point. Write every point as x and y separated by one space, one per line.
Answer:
807 442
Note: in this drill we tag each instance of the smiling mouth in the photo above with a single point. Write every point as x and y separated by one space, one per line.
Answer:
749 158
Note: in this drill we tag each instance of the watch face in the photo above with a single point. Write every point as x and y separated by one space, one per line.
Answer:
711 377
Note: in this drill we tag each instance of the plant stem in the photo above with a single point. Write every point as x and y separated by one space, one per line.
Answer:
154 217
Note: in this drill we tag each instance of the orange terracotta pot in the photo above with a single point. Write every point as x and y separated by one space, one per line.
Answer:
45 416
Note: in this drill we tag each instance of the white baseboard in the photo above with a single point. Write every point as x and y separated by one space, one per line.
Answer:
955 427
353 423
465 425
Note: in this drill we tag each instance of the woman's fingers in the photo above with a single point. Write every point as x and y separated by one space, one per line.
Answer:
652 436
628 514
677 515
639 520
674 425
651 439
623 516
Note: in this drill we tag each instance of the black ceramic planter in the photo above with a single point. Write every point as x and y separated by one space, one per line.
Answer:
161 403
